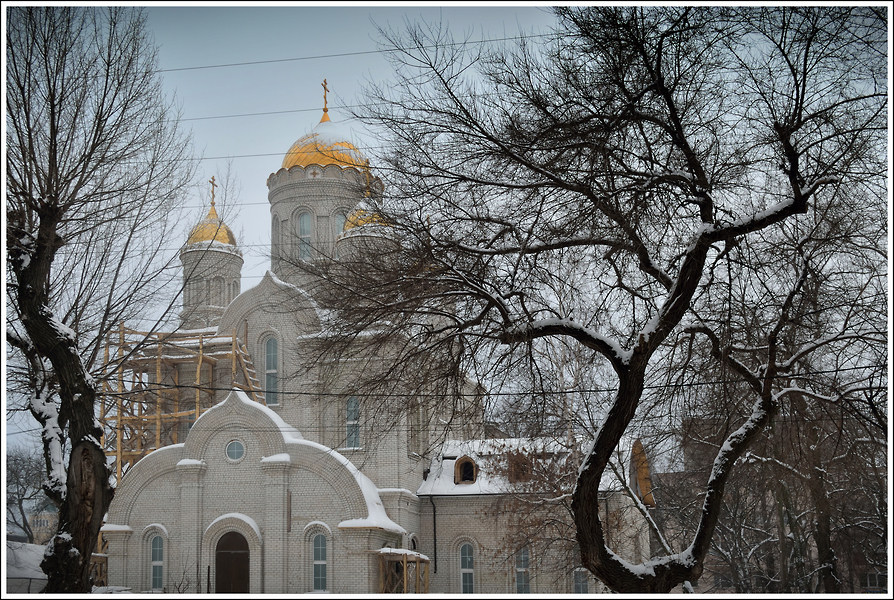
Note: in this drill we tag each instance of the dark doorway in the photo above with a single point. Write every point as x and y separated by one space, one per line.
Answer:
231 560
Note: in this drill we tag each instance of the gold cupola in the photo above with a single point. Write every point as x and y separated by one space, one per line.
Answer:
363 214
211 228
327 144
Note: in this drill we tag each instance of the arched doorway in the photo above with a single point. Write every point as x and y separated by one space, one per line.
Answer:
231 564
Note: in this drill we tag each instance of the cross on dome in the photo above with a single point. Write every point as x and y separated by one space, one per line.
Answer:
211 228
325 102
213 185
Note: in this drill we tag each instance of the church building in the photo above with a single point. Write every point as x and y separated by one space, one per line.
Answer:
244 468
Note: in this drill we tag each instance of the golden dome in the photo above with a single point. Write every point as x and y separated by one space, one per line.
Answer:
326 145
211 229
363 215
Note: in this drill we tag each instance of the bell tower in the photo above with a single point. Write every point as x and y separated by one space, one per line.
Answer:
322 178
212 270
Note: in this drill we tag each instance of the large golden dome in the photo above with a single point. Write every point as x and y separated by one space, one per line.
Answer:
211 229
325 145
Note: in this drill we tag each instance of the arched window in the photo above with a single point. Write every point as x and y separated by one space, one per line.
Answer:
217 290
467 569
319 564
352 423
466 471
157 545
271 371
304 235
522 571
338 223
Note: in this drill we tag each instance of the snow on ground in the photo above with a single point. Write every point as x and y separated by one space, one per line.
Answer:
23 573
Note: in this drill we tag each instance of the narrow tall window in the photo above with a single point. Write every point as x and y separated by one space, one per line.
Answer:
304 235
274 239
522 572
352 423
271 372
467 569
319 562
157 562
217 291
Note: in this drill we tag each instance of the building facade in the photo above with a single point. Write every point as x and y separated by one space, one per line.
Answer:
248 468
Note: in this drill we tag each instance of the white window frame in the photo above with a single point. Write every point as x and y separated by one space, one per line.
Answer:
156 564
352 423
227 450
271 372
467 568
523 571
319 564
304 234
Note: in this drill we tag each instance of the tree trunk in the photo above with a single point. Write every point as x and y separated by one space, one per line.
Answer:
67 562
828 570
87 493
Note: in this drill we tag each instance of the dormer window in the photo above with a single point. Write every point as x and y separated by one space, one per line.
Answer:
466 471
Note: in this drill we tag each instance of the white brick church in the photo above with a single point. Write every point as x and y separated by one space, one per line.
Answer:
246 470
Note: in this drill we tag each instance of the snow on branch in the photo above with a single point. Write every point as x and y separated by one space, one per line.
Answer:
608 347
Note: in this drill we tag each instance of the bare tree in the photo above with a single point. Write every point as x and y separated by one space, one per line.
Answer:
635 150
25 475
96 166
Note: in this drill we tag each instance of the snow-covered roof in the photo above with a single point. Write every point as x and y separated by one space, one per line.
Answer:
401 552
490 478
489 454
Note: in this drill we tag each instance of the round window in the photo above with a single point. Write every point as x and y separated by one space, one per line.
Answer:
235 450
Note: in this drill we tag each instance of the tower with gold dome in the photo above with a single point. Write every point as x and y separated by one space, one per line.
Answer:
322 179
212 270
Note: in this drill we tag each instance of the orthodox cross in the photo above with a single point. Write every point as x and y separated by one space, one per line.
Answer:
325 103
213 185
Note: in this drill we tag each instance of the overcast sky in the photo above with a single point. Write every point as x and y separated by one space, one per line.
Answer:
257 110
248 81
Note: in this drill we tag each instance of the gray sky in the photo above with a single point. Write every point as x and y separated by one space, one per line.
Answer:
254 112
287 93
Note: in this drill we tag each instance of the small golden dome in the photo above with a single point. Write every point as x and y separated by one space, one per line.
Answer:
363 215
211 229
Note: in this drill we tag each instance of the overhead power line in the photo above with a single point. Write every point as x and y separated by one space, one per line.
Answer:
191 387
348 54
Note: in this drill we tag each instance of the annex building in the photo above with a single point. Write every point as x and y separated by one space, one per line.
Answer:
243 468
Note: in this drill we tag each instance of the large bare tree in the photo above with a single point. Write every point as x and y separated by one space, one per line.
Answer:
594 187
95 167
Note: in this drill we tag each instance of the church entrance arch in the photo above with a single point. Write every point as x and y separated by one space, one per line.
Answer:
231 564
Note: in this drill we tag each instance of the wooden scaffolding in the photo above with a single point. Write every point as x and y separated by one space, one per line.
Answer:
402 571
157 384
